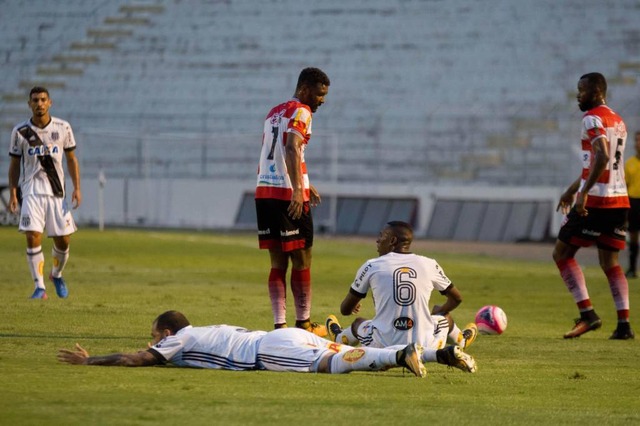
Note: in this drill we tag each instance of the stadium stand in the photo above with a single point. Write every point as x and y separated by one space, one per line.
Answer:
423 91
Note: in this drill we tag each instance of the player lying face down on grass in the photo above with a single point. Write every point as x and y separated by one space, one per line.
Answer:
227 347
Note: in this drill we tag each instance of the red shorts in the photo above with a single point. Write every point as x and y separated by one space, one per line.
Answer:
605 227
277 230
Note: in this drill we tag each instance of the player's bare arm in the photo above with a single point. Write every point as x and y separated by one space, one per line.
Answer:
454 298
14 178
79 356
293 160
74 173
568 197
598 166
350 305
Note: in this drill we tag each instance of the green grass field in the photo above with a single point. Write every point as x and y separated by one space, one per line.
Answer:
119 280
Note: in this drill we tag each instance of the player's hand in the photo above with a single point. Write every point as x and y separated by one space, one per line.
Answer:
581 202
356 309
566 201
77 356
76 198
296 204
314 196
13 203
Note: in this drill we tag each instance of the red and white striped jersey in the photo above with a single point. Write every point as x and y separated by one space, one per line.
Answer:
273 178
57 137
610 191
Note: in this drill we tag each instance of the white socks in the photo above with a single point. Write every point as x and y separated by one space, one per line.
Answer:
59 261
35 260
363 359
346 337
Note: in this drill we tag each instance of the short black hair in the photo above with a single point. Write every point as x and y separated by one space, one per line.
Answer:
311 77
171 320
597 81
401 230
39 89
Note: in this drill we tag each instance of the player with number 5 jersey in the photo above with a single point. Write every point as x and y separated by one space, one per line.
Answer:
596 207
284 198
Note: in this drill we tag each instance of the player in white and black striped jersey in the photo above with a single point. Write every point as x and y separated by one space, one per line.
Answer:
228 347
38 147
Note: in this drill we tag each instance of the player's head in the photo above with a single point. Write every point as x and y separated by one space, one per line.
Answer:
168 324
39 101
395 236
638 141
592 91
38 90
313 86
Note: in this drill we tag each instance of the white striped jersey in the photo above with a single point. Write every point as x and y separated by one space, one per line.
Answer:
401 285
57 137
223 347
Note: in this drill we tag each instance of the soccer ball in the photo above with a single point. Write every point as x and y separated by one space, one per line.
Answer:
491 319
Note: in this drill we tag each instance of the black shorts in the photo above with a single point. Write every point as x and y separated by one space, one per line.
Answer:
605 227
634 214
277 230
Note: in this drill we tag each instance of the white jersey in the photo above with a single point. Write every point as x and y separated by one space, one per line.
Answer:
229 347
223 347
57 137
401 284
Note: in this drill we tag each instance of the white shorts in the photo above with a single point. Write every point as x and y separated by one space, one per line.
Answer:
368 334
295 350
45 211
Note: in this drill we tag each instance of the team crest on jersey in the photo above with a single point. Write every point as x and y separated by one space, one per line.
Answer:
276 118
55 136
620 129
403 323
353 355
25 220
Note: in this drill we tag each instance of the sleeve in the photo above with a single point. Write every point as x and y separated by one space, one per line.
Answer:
300 123
14 147
440 280
168 348
592 128
70 140
361 283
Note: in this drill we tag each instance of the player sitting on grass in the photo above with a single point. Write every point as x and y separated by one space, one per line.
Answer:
227 347
401 283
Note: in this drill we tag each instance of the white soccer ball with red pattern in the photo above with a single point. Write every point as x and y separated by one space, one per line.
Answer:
491 319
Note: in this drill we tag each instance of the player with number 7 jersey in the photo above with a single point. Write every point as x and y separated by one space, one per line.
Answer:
284 198
291 117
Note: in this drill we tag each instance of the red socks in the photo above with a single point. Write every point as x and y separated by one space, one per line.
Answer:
574 280
619 287
301 289
278 295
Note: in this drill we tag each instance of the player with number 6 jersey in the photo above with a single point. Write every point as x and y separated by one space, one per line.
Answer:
401 283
